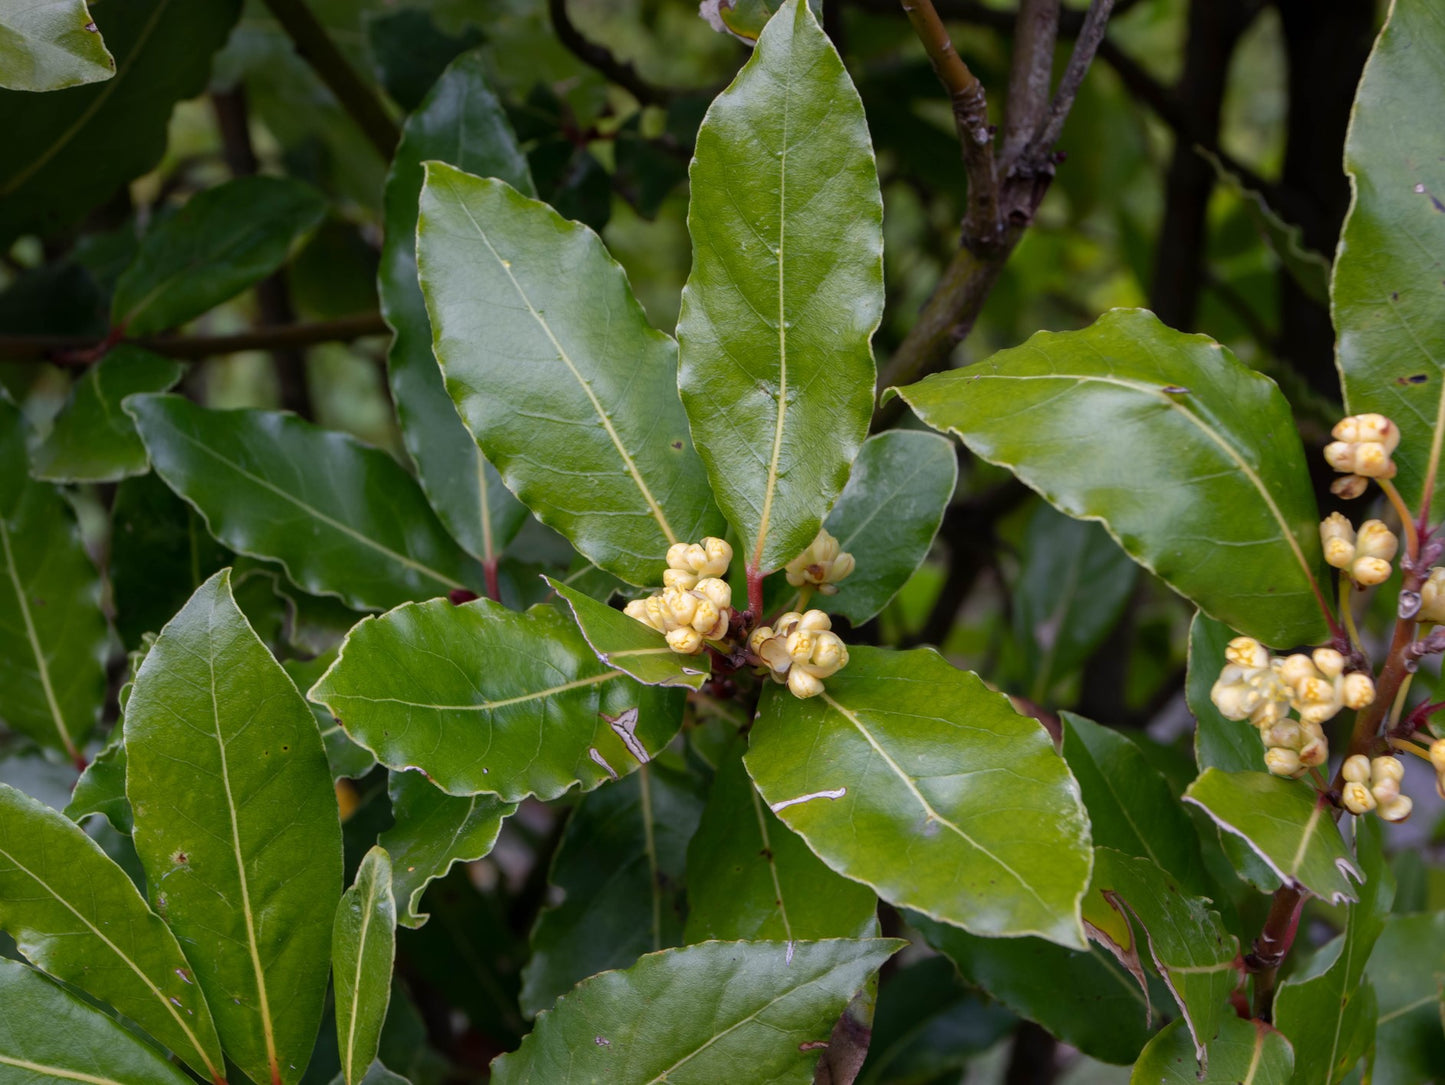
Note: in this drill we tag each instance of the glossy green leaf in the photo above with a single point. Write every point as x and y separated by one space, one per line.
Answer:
223 240
1244 1053
1084 997
918 780
627 644
693 1016
236 825
460 123
363 943
342 518
53 639
544 347
1388 309
50 45
74 913
1131 806
376 1074
1189 458
887 517
433 830
1193 953
1407 969
101 788
410 53
786 288
1330 1017
483 699
620 870
1072 585
347 760
751 877
93 440
67 152
1284 825
49 1035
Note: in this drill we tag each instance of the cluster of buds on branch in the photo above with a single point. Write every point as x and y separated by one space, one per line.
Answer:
1364 555
696 605
1263 688
1375 785
1361 451
800 650
821 565
694 612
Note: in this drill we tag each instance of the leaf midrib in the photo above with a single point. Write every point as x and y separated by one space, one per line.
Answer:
337 525
771 860
140 973
33 637
373 893
58 1071
922 801
485 706
653 507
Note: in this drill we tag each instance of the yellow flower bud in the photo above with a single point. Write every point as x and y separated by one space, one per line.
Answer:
1386 768
685 641
1315 752
1338 538
1432 597
1328 662
1357 690
804 684
1349 487
638 609
822 564
717 556
815 620
829 655
1437 754
1367 572
1285 733
1386 790
681 579
1356 769
705 619
677 557
1376 540
1362 446
716 591
1282 762
1246 652
1357 798
680 606
1397 809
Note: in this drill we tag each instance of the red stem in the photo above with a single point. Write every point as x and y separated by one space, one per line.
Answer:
489 570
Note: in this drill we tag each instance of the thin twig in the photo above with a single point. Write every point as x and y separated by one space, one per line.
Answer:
81 350
315 46
1085 46
1031 75
602 59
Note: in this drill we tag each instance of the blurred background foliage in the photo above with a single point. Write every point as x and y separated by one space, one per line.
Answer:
1202 179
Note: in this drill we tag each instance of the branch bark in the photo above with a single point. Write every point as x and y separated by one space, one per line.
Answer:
315 46
81 351
602 59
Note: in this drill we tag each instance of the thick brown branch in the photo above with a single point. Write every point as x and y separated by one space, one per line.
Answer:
315 46
76 350
1096 19
601 59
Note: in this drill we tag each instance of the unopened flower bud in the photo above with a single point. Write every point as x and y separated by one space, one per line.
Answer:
1357 690
1397 809
1356 769
822 564
1362 446
1246 652
1386 790
1285 733
1349 487
677 556
1328 662
1367 572
1437 754
1282 762
1314 752
1337 536
1295 668
680 606
716 591
681 579
1357 798
709 621
1432 597
804 684
1386 768
685 641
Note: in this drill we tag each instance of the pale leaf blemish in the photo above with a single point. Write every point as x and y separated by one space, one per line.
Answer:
625 727
601 761
602 1041
833 793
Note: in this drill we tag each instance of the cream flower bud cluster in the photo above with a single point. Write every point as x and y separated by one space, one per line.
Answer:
687 563
1361 451
1432 598
1257 686
1365 555
1375 785
800 650
688 618
822 564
